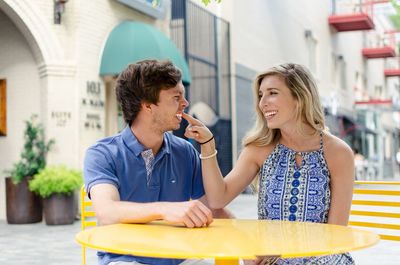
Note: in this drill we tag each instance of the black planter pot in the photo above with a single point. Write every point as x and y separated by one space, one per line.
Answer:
23 206
59 209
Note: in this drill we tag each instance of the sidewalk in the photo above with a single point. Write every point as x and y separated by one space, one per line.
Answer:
38 244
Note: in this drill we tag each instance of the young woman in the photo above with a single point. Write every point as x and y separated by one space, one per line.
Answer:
304 172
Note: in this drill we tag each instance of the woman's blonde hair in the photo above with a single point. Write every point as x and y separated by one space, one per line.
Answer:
303 88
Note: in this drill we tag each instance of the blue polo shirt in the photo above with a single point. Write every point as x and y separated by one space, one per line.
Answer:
117 160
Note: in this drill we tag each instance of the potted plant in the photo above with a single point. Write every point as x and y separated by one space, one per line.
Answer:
56 185
23 206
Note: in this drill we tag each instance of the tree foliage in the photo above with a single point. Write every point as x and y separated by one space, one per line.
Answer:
206 2
33 155
396 18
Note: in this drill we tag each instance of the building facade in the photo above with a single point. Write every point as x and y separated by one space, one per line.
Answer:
51 65
360 98
59 60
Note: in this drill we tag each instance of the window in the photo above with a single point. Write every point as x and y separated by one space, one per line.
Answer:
378 91
312 51
334 66
343 77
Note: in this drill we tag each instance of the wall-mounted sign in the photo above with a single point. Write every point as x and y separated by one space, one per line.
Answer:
93 92
93 103
3 108
93 121
93 88
61 117
147 7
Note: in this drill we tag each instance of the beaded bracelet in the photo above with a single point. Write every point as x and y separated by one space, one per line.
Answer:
210 156
207 140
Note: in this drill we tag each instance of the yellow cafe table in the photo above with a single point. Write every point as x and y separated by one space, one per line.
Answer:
227 240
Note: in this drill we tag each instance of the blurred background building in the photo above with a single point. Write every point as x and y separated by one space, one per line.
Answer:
59 59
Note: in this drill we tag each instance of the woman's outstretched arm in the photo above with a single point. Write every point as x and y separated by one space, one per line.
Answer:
219 190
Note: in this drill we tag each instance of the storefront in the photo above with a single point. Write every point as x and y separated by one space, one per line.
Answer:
62 67
131 42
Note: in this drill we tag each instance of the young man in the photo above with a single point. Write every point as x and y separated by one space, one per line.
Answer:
145 173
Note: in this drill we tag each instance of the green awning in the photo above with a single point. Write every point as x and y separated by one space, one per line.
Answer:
130 42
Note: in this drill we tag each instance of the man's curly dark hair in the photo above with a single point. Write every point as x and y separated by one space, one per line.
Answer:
142 82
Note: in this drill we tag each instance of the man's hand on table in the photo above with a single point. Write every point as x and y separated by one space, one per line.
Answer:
191 213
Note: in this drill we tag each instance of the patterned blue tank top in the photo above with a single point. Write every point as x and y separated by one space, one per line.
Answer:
297 193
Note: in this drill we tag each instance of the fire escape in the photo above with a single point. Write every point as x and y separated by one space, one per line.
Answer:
383 47
352 17
362 15
358 15
392 69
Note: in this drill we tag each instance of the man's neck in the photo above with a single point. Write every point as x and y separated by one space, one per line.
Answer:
149 138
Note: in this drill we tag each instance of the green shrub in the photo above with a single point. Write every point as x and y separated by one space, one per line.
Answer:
33 156
56 179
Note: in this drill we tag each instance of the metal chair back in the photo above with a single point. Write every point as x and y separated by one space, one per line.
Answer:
376 205
87 217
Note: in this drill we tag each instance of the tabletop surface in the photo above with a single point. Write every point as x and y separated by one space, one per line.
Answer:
227 238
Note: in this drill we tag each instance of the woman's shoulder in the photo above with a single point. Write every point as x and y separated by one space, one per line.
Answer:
333 143
336 150
259 153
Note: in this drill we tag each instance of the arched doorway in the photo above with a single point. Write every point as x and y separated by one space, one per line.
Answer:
26 47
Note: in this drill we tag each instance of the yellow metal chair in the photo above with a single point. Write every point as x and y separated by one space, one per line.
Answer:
87 217
379 201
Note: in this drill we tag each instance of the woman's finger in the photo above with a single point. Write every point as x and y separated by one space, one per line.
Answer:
190 134
198 128
191 120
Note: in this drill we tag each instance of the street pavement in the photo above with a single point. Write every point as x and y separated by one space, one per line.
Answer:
38 244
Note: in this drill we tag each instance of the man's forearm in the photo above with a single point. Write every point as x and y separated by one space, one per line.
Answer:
188 213
128 212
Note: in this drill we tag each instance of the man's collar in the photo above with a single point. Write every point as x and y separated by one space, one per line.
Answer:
137 148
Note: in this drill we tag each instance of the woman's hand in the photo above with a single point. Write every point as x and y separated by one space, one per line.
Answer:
197 130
